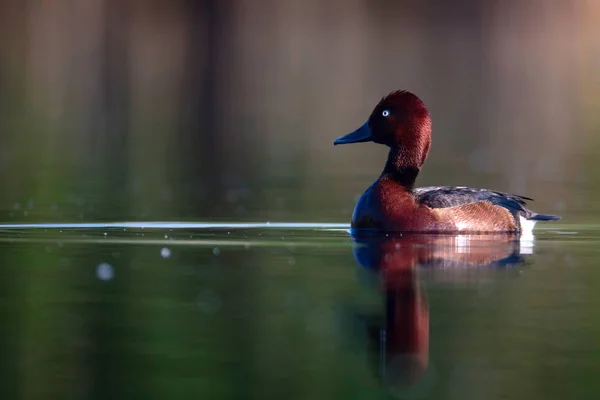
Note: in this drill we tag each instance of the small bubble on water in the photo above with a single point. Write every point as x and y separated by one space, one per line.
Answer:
165 252
105 233
216 251
104 271
166 237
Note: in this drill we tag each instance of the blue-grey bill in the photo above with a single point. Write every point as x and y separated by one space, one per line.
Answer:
362 134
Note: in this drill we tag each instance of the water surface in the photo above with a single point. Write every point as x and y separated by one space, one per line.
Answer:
297 311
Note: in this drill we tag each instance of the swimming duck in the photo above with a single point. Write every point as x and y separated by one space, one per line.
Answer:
392 203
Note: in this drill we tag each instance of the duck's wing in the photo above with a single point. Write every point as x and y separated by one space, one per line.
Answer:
455 196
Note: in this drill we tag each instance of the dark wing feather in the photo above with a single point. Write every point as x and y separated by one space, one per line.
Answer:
449 196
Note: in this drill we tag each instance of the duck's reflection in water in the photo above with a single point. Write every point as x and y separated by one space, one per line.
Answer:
399 342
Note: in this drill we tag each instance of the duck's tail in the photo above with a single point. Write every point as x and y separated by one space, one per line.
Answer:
543 217
527 222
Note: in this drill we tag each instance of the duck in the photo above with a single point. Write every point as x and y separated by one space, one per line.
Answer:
392 203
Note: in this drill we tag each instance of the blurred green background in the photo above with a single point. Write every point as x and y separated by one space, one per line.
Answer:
226 110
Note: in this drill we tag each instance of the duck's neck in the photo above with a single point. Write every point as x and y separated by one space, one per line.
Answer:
401 169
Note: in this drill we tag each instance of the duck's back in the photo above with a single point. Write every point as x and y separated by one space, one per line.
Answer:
456 196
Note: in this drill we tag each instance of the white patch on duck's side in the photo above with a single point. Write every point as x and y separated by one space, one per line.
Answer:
462 225
526 226
526 239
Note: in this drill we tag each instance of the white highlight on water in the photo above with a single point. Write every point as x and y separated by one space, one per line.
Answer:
105 272
182 225
165 252
462 243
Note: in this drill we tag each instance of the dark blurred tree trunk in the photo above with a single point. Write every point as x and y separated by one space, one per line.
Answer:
112 128
202 145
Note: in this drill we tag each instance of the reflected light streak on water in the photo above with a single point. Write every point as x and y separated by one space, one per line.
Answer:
183 225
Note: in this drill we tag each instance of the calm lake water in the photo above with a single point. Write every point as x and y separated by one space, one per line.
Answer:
297 312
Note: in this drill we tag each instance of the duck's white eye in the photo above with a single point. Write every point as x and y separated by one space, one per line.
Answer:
385 113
